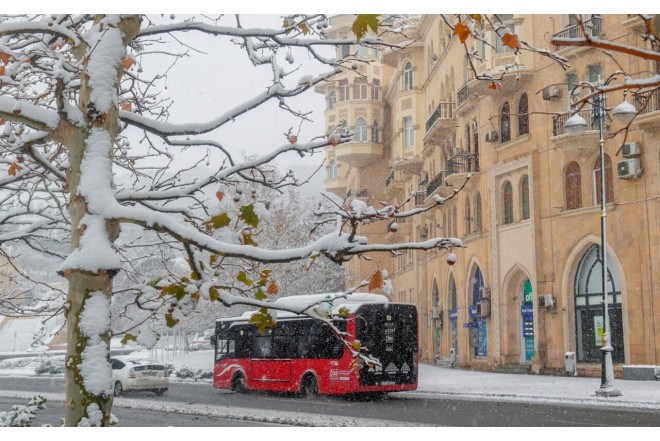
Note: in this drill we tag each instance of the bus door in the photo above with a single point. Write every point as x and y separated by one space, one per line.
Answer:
271 355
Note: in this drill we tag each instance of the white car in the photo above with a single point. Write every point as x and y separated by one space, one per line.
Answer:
138 374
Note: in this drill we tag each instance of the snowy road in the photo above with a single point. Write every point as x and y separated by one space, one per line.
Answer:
211 407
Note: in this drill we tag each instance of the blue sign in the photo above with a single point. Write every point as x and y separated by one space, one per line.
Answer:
470 325
473 311
453 314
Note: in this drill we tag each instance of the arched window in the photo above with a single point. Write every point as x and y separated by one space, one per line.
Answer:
468 219
507 202
407 76
573 186
524 197
477 212
505 123
360 130
609 188
375 135
523 116
332 99
333 171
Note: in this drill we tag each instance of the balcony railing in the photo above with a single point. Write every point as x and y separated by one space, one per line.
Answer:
463 94
445 110
559 121
438 181
463 163
576 31
358 193
648 101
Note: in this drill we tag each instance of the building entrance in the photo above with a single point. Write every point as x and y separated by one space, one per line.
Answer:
589 324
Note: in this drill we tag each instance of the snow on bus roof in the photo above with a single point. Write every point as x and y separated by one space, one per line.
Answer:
303 302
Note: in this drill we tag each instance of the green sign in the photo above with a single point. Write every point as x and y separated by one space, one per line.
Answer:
527 291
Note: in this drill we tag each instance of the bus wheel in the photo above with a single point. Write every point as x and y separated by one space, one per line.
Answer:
238 384
308 386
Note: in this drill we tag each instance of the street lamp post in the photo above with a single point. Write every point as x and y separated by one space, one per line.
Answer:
623 113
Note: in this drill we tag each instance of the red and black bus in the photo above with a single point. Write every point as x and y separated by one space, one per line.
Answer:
301 354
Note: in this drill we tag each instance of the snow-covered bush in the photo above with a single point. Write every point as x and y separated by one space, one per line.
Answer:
22 416
193 374
49 365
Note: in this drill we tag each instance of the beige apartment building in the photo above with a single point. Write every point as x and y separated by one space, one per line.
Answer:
526 289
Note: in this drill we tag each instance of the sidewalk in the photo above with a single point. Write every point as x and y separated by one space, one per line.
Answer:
451 383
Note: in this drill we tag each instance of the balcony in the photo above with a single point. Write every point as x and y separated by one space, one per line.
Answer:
581 143
358 154
394 185
440 123
335 185
411 164
648 104
357 193
465 94
438 185
461 165
575 31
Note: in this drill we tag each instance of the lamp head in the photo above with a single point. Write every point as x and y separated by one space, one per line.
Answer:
625 112
575 124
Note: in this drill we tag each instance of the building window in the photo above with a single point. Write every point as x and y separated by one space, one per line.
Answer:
467 138
360 130
408 132
609 188
595 74
468 218
507 202
345 50
475 138
454 221
360 88
573 186
477 212
407 76
505 123
507 20
375 90
332 99
344 128
361 50
523 116
333 171
375 134
524 197
343 90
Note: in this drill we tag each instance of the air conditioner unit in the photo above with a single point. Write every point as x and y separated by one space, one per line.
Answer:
483 308
491 136
484 293
631 149
436 311
423 177
551 93
628 168
546 301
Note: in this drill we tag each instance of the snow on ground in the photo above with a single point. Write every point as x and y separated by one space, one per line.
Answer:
447 383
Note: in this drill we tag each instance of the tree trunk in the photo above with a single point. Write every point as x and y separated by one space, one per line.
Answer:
88 373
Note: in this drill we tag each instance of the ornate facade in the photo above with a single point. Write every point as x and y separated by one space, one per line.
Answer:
525 290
